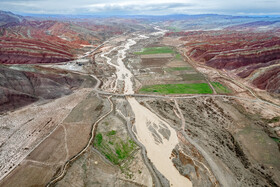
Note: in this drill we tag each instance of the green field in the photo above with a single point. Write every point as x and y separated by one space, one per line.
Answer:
155 50
113 147
178 68
220 89
178 56
195 88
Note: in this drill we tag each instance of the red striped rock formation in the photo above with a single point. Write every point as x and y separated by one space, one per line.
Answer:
30 41
30 51
269 80
247 53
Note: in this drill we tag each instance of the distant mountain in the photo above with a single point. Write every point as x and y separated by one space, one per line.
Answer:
8 18
257 25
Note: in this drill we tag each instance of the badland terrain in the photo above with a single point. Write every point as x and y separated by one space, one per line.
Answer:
175 100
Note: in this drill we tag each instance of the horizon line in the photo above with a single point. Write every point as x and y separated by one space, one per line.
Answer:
147 15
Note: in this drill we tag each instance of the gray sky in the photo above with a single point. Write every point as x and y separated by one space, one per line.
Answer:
148 7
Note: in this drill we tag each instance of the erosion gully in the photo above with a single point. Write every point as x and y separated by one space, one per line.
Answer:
154 134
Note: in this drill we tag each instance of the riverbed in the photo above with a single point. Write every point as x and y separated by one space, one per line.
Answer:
155 134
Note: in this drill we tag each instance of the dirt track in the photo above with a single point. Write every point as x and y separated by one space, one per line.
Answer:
200 137
63 171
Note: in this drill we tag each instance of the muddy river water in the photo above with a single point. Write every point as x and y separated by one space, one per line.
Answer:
155 134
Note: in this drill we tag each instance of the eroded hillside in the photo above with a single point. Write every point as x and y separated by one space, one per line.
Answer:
253 56
124 102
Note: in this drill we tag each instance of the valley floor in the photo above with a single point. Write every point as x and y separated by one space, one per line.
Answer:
138 126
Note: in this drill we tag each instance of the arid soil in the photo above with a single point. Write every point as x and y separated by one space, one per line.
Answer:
21 85
93 168
229 135
100 131
60 138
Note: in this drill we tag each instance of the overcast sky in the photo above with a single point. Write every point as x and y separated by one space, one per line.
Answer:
148 7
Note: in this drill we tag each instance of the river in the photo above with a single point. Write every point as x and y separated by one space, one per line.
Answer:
155 134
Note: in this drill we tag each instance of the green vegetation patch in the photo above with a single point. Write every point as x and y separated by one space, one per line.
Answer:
276 139
111 133
220 89
195 88
124 148
178 56
178 68
99 138
155 50
113 147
